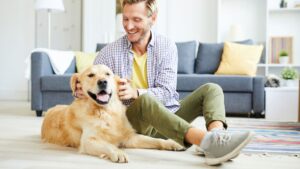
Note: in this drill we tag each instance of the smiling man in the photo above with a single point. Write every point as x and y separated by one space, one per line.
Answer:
147 65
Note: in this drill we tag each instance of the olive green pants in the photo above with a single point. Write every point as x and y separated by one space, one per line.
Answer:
149 116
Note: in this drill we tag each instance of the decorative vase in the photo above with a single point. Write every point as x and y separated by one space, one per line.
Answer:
284 60
289 83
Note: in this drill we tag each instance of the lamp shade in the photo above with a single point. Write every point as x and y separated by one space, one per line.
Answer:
53 5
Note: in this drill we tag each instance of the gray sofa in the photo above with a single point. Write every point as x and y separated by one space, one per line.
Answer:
196 66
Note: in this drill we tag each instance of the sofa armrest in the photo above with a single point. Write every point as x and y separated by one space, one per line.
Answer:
40 66
258 94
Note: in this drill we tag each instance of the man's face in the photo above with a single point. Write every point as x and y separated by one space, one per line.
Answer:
136 22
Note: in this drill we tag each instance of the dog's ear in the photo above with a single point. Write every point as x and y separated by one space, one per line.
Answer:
74 80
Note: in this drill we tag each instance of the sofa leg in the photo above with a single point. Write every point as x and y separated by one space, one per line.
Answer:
257 115
39 113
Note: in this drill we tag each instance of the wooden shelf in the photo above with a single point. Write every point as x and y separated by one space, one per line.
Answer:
283 65
261 65
276 65
285 10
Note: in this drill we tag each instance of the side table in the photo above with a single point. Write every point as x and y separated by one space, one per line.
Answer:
282 104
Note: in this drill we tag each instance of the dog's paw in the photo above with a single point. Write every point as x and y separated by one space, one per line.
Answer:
104 156
172 145
119 156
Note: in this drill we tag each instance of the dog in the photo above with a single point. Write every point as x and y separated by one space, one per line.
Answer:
97 125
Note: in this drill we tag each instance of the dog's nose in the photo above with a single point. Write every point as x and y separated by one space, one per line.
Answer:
102 84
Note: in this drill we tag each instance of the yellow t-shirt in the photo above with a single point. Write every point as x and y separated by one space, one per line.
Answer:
139 74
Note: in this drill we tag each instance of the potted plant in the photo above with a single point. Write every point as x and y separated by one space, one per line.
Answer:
283 57
289 74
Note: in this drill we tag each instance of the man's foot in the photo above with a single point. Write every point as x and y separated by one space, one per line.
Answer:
220 146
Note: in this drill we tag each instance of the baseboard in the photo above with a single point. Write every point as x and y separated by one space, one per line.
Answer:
14 95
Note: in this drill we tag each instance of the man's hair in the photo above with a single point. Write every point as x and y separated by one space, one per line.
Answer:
151 5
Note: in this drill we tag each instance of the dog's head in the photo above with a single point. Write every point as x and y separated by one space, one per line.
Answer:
98 83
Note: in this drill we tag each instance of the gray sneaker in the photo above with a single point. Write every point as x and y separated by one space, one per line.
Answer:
220 146
200 152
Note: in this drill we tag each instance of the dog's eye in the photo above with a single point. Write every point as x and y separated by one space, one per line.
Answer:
107 74
91 75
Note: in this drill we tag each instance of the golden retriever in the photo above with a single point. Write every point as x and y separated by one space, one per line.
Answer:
97 125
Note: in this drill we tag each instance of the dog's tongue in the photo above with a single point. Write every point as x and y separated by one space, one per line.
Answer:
103 97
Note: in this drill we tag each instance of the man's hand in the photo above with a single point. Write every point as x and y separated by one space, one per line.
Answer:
78 93
126 91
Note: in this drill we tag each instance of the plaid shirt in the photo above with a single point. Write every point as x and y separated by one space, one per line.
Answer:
161 67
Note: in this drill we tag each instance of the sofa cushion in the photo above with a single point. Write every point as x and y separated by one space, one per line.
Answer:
229 83
56 83
209 56
84 60
186 56
100 46
238 59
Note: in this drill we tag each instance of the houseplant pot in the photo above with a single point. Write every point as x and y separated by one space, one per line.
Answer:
289 75
283 57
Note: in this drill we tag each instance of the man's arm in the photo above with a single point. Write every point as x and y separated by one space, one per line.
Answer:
166 80
101 59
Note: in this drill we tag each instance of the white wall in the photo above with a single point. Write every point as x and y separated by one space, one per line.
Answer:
16 42
65 27
192 20
161 25
249 15
98 23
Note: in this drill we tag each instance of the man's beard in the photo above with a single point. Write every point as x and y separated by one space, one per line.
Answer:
143 35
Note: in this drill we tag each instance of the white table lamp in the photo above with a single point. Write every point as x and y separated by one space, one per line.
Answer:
50 6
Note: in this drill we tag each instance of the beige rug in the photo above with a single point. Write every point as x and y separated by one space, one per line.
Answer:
21 148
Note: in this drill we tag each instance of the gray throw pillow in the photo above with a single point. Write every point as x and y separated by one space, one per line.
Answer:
186 56
209 56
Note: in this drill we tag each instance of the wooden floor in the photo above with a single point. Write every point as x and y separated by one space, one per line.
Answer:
21 148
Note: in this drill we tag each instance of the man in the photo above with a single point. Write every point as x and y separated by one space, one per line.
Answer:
147 65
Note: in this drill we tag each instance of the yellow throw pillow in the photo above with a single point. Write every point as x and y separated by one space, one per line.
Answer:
84 60
238 59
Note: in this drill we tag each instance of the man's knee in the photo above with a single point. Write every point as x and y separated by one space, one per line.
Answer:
213 88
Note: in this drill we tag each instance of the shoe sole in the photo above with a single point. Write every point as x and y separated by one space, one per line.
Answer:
201 153
232 154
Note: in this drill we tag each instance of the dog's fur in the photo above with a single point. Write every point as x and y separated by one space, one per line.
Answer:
97 125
